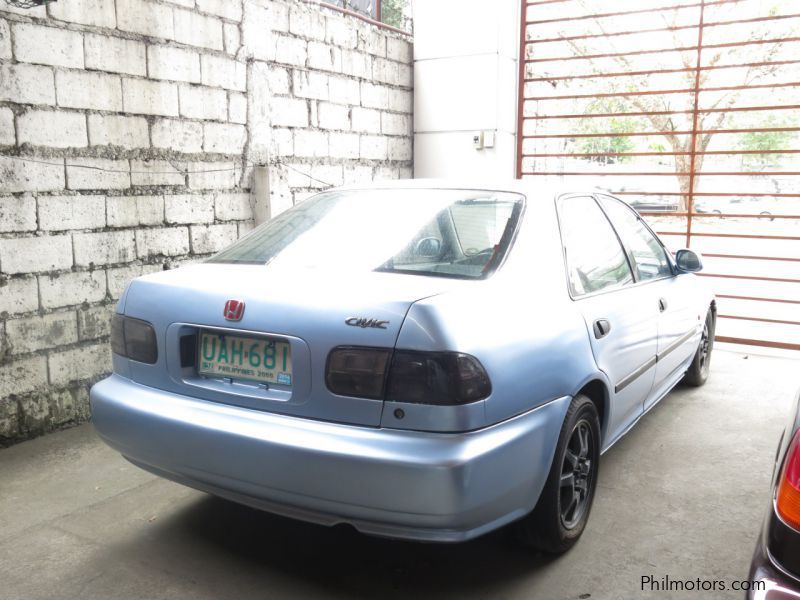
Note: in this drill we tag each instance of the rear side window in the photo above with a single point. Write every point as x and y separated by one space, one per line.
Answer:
595 258
647 254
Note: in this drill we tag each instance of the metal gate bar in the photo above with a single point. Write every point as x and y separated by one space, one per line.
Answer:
533 72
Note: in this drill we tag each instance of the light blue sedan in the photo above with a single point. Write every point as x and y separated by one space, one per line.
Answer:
419 360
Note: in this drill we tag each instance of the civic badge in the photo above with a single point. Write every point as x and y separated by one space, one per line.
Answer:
364 322
234 310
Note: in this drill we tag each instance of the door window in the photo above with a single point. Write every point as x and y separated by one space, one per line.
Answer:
595 259
647 254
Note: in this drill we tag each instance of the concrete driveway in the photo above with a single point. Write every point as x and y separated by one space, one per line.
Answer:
682 496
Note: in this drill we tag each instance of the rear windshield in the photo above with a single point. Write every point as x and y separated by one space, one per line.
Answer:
445 233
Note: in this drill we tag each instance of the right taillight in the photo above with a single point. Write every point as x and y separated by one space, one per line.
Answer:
787 500
438 378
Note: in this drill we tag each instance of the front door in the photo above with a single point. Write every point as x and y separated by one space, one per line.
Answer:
671 293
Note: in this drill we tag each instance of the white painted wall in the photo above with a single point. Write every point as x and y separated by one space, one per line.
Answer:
465 80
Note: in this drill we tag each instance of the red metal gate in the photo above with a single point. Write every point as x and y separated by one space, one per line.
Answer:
688 110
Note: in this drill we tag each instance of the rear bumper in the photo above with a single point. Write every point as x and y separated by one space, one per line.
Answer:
444 487
772 582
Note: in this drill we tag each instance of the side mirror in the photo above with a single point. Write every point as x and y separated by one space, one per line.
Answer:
688 261
429 247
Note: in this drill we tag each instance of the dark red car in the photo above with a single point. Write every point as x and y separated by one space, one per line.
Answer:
776 561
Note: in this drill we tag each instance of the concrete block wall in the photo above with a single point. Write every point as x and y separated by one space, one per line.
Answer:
128 134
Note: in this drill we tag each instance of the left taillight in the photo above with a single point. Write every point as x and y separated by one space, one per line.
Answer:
787 500
134 339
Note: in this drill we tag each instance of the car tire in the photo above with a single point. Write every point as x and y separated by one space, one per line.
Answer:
553 526
697 373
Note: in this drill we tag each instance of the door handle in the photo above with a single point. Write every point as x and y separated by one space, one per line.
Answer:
601 328
662 305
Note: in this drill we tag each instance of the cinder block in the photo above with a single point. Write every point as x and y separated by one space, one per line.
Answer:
48 45
203 103
398 49
180 136
119 278
212 238
18 295
357 174
344 145
96 91
22 376
150 97
42 331
278 80
8 136
174 64
100 13
164 241
257 37
333 116
231 38
198 30
115 130
130 211
118 55
386 71
374 147
400 148
35 254
111 247
27 84
189 208
356 63
157 172
401 101
282 142
324 57
374 96
310 84
289 112
224 138
372 41
290 51
61 213
395 124
344 91
405 75
55 129
86 362
147 18
94 322
17 213
340 31
233 207
213 175
227 9
5 40
310 143
237 108
218 71
19 175
366 120
307 22
97 174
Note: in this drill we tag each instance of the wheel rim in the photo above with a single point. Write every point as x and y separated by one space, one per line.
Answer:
705 348
577 475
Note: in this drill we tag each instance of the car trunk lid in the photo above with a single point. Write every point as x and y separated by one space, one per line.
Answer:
311 312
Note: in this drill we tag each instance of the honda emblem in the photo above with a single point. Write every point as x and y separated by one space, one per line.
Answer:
234 310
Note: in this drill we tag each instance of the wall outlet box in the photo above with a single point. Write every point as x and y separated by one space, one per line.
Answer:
477 140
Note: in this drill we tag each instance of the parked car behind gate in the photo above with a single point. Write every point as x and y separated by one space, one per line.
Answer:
421 360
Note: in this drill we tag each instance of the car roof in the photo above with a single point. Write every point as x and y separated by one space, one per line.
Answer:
537 186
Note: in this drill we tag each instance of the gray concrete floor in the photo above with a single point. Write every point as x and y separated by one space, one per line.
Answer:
682 495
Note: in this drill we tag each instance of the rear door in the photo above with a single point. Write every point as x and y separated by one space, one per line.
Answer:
620 316
678 321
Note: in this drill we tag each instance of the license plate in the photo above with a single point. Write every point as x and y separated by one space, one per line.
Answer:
265 360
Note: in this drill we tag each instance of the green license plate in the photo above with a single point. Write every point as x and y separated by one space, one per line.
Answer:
265 360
